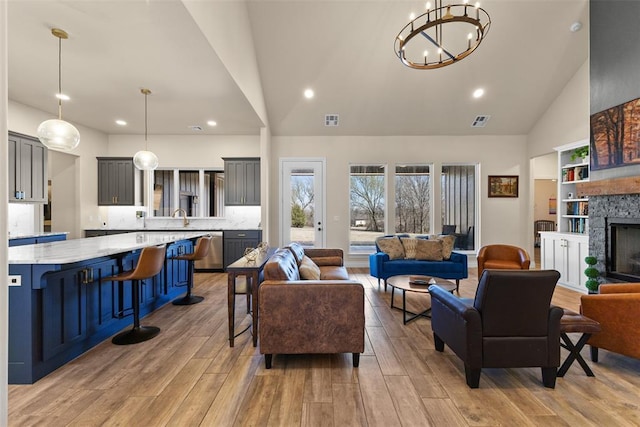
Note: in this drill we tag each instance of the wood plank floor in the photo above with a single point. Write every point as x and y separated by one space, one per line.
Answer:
189 376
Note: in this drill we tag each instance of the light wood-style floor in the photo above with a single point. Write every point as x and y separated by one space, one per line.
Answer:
189 376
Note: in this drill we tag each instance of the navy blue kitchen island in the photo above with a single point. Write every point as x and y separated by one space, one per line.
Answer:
58 306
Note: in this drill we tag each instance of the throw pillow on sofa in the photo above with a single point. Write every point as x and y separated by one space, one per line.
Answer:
448 241
429 250
392 246
409 245
308 269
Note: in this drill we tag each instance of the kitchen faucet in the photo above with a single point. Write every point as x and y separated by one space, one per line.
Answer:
185 221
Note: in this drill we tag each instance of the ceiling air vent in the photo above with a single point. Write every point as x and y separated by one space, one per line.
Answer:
196 128
480 121
331 120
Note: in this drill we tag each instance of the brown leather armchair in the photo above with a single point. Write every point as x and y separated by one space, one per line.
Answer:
502 257
509 324
617 309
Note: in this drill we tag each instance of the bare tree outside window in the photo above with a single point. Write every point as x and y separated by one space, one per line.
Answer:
413 199
367 207
302 198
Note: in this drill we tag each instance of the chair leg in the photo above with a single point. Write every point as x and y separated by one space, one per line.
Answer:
138 333
472 376
385 285
189 299
594 354
438 342
267 360
549 377
356 360
458 286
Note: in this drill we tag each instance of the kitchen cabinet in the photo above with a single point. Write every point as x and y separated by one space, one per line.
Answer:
177 271
116 181
21 241
236 241
242 181
27 169
565 252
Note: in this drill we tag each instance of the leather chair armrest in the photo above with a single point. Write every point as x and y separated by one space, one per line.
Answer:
555 315
458 324
525 261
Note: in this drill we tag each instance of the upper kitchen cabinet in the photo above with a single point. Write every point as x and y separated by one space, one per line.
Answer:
27 169
242 181
116 181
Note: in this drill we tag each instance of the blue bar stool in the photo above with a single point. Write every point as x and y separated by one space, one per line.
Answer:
149 264
201 251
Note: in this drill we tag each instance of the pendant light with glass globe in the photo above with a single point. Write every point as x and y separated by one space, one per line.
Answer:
56 133
145 159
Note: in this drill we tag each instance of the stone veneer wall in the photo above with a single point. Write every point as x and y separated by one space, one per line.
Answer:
602 207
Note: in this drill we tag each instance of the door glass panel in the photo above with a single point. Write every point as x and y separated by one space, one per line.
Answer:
302 228
302 207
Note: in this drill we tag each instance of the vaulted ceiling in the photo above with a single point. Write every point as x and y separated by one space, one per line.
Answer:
341 49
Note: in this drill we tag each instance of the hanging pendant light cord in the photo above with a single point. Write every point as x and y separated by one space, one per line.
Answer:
59 78
146 144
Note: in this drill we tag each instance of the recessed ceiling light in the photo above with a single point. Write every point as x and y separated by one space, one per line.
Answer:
478 93
62 96
212 123
575 27
195 128
121 122
308 93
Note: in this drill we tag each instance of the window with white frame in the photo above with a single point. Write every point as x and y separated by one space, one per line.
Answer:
413 199
458 204
199 192
367 185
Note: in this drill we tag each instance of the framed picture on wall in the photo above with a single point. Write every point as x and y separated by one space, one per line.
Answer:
503 185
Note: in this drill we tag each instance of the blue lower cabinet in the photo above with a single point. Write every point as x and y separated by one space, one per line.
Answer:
64 312
22 241
51 238
177 271
103 298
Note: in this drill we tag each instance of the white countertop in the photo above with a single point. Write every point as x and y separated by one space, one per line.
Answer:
75 250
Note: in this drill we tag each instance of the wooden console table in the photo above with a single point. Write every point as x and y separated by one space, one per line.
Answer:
251 270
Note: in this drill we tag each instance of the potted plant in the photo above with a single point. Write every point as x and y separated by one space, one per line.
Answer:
580 153
592 273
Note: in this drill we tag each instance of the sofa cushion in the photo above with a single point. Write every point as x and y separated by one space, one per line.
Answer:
448 241
429 250
281 266
392 246
297 250
409 245
308 269
333 272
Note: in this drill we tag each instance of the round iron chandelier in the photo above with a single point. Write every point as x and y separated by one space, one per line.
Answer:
425 44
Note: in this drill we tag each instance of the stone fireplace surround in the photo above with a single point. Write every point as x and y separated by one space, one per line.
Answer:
601 207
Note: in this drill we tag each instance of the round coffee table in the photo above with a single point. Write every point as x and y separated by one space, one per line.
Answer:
419 284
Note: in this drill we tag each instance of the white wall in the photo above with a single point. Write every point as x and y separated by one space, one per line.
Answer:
567 118
194 151
501 220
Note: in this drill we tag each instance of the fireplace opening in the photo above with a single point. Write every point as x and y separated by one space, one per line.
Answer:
623 249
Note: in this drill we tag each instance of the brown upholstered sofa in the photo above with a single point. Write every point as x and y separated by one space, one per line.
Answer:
300 316
616 308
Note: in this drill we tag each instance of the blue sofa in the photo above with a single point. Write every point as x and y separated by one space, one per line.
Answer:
381 267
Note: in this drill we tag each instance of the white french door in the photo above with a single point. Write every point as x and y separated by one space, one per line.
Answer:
302 208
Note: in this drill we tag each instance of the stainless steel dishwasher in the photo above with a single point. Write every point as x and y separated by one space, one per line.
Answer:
213 260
